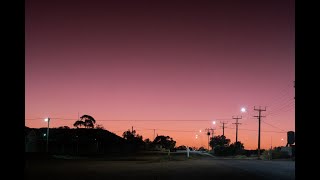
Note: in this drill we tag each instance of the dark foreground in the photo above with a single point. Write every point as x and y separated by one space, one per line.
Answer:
158 168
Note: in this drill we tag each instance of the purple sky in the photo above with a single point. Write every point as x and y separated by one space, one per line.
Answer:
162 60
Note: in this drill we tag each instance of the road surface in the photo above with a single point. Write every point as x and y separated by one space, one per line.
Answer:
198 168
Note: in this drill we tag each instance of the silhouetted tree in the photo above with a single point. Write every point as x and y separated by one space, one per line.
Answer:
194 148
128 135
135 140
64 127
219 141
99 126
238 145
182 147
78 124
148 143
131 135
89 121
220 144
237 148
86 121
165 141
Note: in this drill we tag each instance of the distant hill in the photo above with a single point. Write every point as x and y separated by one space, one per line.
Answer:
76 141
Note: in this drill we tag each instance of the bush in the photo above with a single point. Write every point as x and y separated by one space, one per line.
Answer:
266 154
280 154
223 151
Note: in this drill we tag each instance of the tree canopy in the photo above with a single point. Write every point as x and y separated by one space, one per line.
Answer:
219 141
165 141
222 146
131 135
86 120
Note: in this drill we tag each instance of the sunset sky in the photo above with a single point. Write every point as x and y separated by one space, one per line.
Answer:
161 63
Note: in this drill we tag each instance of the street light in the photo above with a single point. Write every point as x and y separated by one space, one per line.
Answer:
208 133
47 120
245 112
214 123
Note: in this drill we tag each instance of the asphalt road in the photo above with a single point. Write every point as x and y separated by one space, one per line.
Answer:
204 167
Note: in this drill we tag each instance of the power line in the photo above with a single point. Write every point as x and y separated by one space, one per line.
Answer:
197 131
276 98
280 107
279 100
34 118
279 111
158 120
256 130
280 104
273 126
172 130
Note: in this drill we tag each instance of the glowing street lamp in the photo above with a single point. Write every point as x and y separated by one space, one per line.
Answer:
47 120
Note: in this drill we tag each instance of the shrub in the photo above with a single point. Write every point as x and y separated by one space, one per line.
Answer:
280 154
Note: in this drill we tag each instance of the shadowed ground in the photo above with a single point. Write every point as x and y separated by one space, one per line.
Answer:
156 166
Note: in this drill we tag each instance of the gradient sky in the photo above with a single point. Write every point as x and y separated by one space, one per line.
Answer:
163 60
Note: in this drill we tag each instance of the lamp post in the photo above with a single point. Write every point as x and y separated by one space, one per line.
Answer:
47 120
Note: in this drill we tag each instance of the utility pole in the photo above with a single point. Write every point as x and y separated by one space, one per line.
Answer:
223 127
208 133
48 135
47 120
212 132
132 129
259 118
154 132
236 123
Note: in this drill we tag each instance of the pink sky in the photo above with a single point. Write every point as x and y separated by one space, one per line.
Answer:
163 61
